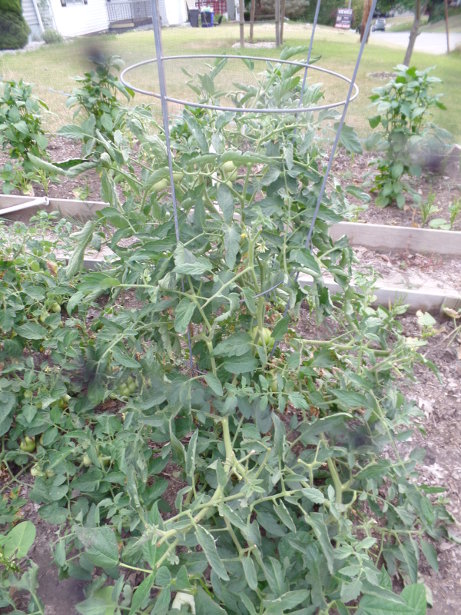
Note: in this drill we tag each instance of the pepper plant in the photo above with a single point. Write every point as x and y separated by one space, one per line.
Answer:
96 98
402 117
21 134
230 441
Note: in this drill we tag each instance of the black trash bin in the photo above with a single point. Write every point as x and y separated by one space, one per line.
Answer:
193 17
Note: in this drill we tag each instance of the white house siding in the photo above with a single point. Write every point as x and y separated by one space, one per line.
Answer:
176 13
76 19
173 12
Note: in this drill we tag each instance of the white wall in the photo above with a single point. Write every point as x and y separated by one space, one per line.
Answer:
77 19
176 12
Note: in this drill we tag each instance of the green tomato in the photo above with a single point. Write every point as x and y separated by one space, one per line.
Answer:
228 167
86 461
55 307
229 171
36 471
35 267
264 335
43 316
27 445
63 402
160 185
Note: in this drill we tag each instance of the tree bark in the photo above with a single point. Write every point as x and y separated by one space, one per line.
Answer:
282 19
252 18
242 22
277 23
366 11
419 10
446 25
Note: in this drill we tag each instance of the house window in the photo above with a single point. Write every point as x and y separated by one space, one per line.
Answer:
66 2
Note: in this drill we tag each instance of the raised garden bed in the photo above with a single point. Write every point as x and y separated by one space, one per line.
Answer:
418 294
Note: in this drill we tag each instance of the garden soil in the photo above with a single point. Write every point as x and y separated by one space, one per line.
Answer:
438 396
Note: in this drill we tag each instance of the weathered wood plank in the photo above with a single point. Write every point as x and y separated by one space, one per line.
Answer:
427 299
386 237
374 236
72 208
38 202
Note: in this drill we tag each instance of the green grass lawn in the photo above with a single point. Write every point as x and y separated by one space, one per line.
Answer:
454 24
402 23
52 67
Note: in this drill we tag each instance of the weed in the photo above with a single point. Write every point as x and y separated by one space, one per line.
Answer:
428 208
51 37
454 211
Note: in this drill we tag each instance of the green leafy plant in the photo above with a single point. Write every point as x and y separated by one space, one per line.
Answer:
51 37
454 211
21 134
96 99
16 572
210 455
427 323
402 106
429 208
14 30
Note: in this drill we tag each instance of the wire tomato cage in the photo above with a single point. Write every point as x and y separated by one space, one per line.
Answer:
160 60
242 109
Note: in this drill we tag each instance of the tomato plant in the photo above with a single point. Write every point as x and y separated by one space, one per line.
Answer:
188 429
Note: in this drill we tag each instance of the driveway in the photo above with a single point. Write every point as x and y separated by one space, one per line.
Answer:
426 42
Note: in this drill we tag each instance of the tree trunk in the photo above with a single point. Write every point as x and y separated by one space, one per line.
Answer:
419 10
282 19
446 25
242 22
366 11
277 23
252 18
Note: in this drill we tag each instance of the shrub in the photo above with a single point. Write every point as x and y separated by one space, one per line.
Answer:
11 5
13 30
50 36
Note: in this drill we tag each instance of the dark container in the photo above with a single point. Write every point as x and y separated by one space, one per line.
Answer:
207 19
193 17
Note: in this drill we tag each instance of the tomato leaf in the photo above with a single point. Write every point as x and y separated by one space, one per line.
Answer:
206 541
183 315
